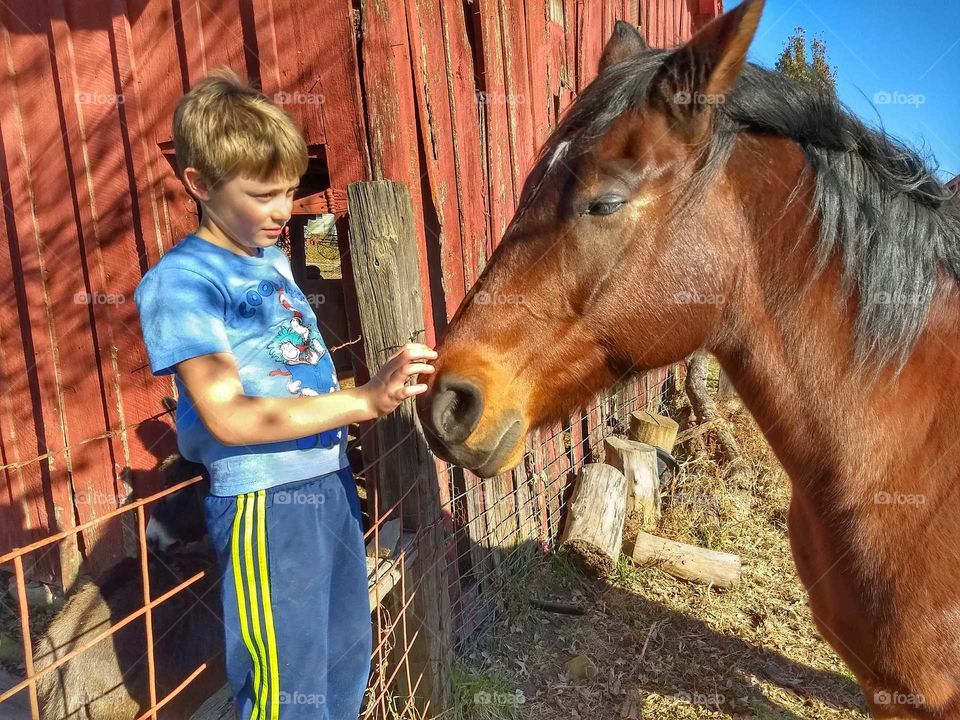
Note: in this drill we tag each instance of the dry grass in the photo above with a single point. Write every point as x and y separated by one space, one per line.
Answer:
670 650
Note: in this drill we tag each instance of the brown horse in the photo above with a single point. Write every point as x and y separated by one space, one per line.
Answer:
691 200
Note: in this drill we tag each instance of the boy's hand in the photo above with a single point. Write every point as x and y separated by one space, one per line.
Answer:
388 388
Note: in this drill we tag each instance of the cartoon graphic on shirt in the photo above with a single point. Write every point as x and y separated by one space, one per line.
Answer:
308 366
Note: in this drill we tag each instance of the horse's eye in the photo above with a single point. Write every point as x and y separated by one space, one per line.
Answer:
606 205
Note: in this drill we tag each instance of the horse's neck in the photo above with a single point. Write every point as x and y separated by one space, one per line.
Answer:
784 359
845 441
787 341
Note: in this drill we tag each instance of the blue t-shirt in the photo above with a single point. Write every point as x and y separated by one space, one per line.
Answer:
201 299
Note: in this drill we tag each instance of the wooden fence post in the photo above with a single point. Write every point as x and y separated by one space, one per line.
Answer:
383 250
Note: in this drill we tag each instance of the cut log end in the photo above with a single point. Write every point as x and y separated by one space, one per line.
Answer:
592 560
653 429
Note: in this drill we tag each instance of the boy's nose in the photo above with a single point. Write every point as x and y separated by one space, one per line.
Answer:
282 210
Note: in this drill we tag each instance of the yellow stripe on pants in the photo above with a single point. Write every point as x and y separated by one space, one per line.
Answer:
260 663
274 669
241 601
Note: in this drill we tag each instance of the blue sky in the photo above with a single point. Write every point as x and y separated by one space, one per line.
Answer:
897 64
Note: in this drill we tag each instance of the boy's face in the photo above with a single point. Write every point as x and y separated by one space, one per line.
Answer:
250 213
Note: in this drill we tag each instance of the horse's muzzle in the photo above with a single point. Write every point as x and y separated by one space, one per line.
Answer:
450 413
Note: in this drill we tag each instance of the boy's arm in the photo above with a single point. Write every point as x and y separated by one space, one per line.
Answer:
234 418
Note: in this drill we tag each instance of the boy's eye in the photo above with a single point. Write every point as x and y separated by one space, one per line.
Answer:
267 196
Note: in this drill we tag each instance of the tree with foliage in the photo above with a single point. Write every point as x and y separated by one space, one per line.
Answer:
793 61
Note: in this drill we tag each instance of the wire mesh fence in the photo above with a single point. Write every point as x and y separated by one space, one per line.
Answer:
521 512
492 529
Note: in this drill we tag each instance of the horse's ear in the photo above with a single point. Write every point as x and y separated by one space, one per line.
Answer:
625 42
697 75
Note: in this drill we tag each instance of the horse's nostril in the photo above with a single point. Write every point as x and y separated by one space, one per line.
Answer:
457 407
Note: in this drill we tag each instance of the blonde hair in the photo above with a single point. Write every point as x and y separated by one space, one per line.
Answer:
225 128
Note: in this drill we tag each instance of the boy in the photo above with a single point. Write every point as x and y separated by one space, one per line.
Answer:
261 408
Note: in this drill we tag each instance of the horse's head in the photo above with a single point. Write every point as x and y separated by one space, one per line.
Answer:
598 246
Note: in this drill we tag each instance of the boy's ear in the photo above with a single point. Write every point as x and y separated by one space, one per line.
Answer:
196 184
625 42
697 75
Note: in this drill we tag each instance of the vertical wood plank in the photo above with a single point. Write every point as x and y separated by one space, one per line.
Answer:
147 58
391 118
467 148
558 475
538 487
211 36
385 266
592 37
44 234
500 190
434 115
519 94
558 73
477 531
107 210
539 61
23 504
331 66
